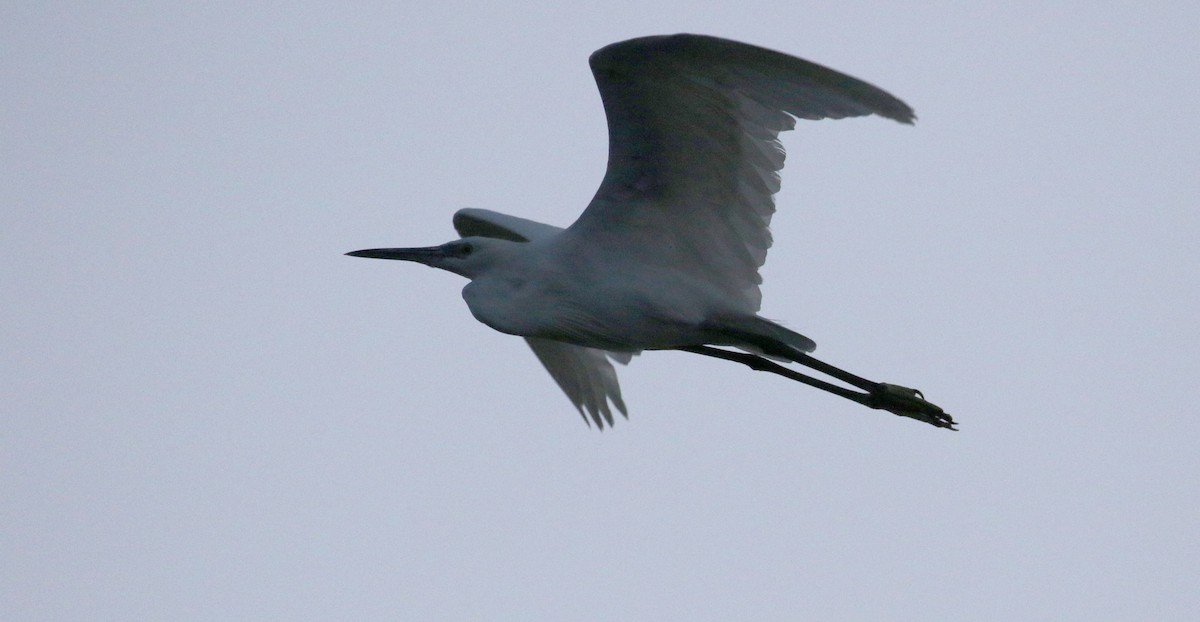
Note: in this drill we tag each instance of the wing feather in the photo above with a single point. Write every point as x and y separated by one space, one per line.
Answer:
585 375
694 151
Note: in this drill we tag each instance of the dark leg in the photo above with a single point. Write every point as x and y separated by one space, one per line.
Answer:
892 398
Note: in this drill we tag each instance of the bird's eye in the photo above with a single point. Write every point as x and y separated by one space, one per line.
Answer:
465 249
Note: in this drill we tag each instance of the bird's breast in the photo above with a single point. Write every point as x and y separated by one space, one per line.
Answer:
503 303
606 313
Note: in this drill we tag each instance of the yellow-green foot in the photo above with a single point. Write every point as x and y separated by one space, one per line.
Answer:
910 403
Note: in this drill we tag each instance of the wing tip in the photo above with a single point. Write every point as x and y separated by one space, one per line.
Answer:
869 98
898 111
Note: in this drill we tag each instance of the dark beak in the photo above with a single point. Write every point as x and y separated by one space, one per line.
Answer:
420 255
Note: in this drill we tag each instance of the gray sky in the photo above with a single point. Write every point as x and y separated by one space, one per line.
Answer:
210 413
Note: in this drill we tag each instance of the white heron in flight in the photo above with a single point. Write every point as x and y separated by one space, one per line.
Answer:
666 255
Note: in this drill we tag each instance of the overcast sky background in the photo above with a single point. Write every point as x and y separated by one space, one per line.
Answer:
209 413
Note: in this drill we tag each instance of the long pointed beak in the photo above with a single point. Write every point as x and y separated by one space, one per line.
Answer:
420 255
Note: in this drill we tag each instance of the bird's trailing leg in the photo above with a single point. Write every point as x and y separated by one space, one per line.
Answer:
895 399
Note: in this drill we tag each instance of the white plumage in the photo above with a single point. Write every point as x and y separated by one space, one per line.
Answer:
666 255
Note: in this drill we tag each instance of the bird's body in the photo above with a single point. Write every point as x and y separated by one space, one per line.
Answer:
545 289
667 254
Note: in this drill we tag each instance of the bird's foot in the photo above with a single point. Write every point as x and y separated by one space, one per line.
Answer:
910 403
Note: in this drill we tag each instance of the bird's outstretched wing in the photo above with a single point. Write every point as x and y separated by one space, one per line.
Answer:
693 150
586 375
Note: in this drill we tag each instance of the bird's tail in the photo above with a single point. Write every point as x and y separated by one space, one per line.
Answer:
758 335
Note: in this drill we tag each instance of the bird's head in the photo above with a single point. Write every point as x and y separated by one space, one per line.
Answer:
469 257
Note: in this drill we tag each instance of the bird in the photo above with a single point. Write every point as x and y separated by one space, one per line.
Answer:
666 256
